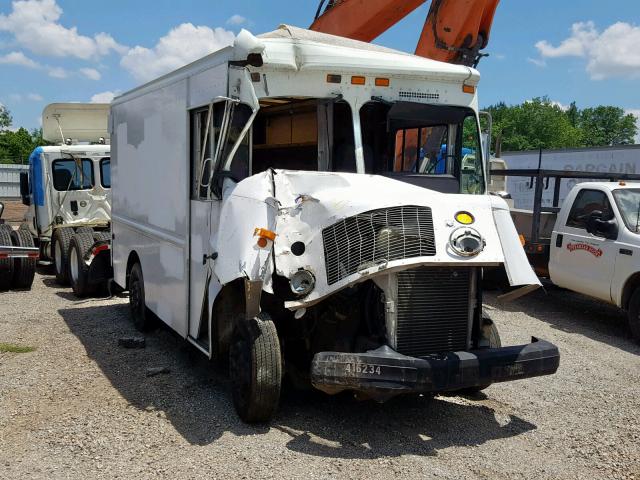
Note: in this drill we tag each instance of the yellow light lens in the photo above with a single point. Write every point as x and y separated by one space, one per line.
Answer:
468 88
358 80
382 82
465 218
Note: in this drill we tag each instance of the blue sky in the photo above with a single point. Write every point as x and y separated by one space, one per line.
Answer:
63 50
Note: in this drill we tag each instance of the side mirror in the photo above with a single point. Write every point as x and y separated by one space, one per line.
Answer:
601 228
24 188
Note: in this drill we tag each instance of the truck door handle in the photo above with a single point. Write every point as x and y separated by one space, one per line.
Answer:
626 251
559 239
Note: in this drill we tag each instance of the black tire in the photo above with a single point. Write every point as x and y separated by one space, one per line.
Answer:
79 247
85 229
60 253
492 334
6 264
141 316
255 367
102 236
24 269
633 315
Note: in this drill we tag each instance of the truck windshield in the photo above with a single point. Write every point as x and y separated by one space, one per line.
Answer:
628 201
419 139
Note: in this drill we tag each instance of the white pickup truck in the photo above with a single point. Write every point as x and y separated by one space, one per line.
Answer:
590 244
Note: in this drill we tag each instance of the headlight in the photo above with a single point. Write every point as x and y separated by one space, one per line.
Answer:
302 282
466 242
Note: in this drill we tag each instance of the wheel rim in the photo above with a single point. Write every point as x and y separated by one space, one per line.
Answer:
73 263
58 257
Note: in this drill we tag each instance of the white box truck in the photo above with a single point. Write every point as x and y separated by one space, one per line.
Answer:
298 203
68 189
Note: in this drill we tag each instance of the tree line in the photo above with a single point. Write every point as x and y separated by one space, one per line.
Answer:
541 123
534 124
17 145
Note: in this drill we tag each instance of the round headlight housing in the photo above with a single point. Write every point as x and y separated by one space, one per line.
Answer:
302 282
466 242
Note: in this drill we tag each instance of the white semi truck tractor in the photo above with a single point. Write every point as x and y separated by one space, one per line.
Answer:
68 190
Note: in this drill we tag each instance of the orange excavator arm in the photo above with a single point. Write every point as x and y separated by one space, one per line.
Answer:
455 30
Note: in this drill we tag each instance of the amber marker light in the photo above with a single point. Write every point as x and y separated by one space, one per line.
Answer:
382 82
465 218
333 78
468 89
264 237
358 80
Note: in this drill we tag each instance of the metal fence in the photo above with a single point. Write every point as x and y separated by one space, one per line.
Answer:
10 180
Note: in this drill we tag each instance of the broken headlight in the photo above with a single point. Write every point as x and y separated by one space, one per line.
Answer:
466 242
302 282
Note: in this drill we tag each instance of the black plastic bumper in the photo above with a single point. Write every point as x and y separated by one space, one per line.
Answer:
385 372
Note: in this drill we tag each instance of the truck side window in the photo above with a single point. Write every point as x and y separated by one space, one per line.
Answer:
69 174
202 147
586 202
105 172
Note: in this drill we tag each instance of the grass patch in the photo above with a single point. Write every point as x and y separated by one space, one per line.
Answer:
13 348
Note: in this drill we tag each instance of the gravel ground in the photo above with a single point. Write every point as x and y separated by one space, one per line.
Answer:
81 406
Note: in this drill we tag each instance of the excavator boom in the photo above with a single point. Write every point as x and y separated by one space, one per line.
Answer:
455 30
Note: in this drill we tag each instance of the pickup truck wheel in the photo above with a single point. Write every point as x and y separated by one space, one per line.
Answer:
255 367
6 264
24 269
78 270
633 314
141 316
490 331
60 248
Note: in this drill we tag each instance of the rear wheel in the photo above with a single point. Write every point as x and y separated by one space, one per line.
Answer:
142 318
255 367
102 236
85 230
78 270
60 248
6 264
24 269
633 315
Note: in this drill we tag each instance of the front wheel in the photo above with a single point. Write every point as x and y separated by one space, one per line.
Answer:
633 315
142 318
255 367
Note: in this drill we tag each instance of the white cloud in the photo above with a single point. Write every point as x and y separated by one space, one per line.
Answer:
35 26
34 97
18 58
183 44
15 97
58 72
636 113
91 73
537 62
236 20
611 53
560 105
104 97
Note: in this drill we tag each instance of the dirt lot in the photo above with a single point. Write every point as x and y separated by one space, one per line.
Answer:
81 406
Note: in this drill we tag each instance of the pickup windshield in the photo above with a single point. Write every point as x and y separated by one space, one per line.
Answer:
628 201
406 138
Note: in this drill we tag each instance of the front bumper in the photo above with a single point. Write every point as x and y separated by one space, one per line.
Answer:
384 372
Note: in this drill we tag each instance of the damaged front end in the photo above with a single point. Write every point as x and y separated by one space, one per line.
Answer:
375 285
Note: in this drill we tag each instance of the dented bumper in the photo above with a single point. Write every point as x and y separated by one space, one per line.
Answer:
384 372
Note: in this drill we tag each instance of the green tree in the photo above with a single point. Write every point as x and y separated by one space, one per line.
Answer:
607 125
5 117
534 124
15 147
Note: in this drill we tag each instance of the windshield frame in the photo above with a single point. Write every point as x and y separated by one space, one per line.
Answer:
422 116
616 194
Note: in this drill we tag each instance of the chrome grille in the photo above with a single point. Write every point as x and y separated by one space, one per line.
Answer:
433 310
377 237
